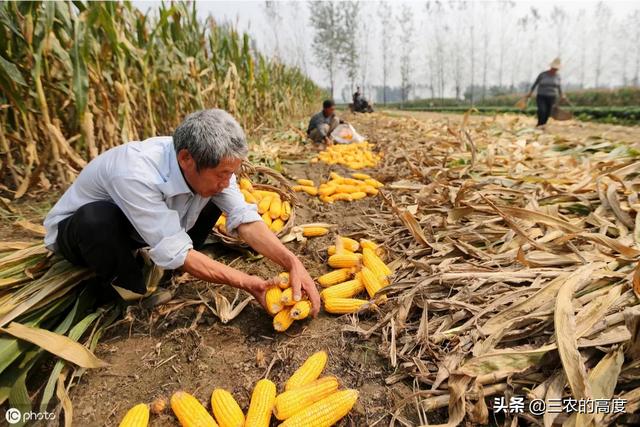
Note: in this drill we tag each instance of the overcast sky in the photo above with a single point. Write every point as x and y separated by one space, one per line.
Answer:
589 40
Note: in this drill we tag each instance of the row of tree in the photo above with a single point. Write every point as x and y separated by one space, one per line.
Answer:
450 46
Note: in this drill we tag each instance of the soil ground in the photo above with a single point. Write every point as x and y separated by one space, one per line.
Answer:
154 355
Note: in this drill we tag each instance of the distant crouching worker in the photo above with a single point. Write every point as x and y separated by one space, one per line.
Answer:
549 91
323 123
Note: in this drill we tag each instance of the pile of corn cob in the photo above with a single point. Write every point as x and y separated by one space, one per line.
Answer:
355 272
281 305
307 401
275 211
354 156
338 188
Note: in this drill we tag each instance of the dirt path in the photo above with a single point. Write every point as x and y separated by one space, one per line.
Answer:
173 353
574 128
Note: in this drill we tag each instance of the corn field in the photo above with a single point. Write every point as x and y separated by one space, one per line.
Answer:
79 78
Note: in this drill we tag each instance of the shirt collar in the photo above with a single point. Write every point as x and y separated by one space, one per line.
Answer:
174 182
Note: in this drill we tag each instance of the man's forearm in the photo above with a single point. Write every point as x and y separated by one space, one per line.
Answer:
259 237
204 268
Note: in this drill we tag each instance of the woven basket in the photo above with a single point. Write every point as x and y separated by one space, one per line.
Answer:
285 195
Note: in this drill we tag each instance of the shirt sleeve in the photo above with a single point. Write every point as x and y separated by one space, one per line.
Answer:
158 225
536 82
232 203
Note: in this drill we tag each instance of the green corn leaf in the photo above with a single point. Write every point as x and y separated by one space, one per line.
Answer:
11 72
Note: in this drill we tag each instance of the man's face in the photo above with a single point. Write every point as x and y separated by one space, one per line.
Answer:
329 111
207 182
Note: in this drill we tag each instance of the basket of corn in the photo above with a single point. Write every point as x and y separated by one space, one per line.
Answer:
275 204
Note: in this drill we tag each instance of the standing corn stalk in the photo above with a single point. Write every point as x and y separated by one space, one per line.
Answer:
79 78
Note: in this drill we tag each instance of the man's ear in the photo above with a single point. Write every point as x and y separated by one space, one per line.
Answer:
184 159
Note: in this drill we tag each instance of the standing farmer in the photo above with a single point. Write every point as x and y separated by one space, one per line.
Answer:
166 193
549 91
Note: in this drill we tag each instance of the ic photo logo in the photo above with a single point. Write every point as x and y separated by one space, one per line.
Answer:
13 415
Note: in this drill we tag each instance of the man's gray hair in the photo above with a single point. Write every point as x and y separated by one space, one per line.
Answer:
210 136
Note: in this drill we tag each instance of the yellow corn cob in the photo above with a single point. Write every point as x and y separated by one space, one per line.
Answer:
371 283
314 231
327 190
287 297
300 310
293 401
346 189
245 184
351 181
273 297
306 182
264 204
325 412
222 221
346 197
374 183
138 416
360 176
286 210
190 412
335 277
282 320
275 209
248 197
277 225
344 260
262 401
326 199
344 305
374 263
334 175
358 195
308 372
331 250
343 290
368 244
267 219
284 282
226 409
309 189
369 189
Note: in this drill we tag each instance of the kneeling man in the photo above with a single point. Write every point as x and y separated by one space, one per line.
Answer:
167 193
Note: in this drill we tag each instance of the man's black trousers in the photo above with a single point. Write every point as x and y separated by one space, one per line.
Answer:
99 236
545 105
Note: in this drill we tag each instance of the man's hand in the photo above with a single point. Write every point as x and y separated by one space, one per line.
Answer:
300 280
328 141
260 238
258 287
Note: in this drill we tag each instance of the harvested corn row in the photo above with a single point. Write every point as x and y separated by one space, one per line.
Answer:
308 372
262 401
293 401
325 412
339 188
225 409
138 416
354 156
190 412
340 295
